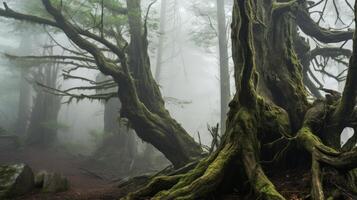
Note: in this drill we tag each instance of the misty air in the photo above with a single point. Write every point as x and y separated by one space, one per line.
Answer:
178 99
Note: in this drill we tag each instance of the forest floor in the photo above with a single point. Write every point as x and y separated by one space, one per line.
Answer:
84 185
87 186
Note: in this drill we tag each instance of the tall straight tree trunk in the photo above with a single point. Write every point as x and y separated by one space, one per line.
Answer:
118 149
43 125
119 137
23 115
24 104
162 35
223 63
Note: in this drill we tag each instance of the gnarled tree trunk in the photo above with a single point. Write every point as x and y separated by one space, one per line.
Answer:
153 123
269 111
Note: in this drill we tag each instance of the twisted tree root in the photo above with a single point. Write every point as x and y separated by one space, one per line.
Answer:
240 148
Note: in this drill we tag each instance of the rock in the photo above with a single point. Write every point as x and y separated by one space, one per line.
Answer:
39 179
15 180
53 182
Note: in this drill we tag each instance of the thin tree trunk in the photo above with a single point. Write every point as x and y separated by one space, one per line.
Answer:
25 92
119 147
24 105
223 63
43 124
162 36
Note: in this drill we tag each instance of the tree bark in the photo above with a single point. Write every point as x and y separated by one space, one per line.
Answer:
270 105
44 117
25 93
162 35
142 102
118 150
174 142
223 63
24 105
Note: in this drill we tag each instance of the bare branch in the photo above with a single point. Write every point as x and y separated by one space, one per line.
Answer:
68 76
78 97
311 28
51 57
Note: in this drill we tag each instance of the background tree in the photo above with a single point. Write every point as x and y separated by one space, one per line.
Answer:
270 115
212 25
44 124
270 112
23 115
141 100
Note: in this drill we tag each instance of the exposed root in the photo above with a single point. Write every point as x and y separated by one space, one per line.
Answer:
317 192
188 188
156 185
197 183
263 187
240 144
344 162
352 180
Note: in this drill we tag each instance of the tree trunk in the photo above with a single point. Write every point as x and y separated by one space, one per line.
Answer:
162 35
25 93
24 105
153 122
139 94
43 123
270 105
124 138
118 150
269 111
223 63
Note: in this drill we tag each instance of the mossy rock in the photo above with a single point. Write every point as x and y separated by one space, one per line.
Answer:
15 180
39 178
52 182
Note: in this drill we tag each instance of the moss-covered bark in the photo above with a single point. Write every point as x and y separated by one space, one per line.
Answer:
269 111
270 106
154 125
140 96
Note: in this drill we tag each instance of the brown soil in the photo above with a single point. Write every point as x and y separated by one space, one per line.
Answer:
294 185
84 186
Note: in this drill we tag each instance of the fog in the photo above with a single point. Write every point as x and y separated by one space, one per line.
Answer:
190 74
189 82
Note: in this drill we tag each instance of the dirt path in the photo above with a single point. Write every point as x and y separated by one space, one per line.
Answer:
83 185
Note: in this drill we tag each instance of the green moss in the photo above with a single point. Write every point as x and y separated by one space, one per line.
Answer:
311 142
